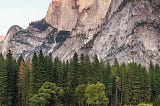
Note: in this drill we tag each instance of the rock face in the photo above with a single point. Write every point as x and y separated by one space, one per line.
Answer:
2 38
128 30
38 36
67 14
132 33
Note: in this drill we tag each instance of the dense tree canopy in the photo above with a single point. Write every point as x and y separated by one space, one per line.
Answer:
95 94
48 94
83 81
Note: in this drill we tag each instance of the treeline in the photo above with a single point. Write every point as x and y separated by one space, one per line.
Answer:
80 81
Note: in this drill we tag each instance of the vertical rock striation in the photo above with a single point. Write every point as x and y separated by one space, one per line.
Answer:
128 30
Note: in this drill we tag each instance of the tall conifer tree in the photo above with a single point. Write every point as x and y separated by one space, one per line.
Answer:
3 81
75 69
95 70
108 82
26 83
11 80
49 68
20 84
154 73
34 75
55 74
88 70
60 73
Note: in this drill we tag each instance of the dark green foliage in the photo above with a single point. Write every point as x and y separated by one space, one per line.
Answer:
20 84
95 74
75 70
26 82
82 72
157 101
108 82
80 94
34 75
138 89
49 68
67 78
11 80
60 73
62 36
55 65
154 24
3 81
23 83
95 94
42 66
41 25
66 74
48 95
42 70
154 72
88 70
145 90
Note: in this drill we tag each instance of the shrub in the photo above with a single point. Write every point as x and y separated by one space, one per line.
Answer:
143 104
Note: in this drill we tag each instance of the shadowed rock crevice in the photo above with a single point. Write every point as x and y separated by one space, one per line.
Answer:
128 30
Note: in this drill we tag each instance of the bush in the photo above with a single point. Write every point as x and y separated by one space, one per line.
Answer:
143 104
41 25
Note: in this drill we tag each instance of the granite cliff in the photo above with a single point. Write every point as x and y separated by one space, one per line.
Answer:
128 30
2 38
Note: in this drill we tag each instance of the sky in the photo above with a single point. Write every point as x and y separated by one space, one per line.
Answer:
21 12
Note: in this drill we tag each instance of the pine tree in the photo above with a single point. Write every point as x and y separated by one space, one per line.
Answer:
3 81
102 69
74 64
39 71
11 80
20 83
154 73
42 69
135 85
121 82
34 75
65 73
49 68
60 73
145 88
157 101
157 75
68 91
75 69
88 70
26 84
19 62
127 85
95 70
82 71
55 74
124 83
116 77
108 82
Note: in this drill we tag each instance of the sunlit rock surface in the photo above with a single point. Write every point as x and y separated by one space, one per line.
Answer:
122 29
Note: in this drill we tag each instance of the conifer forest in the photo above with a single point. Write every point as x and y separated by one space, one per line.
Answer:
80 81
